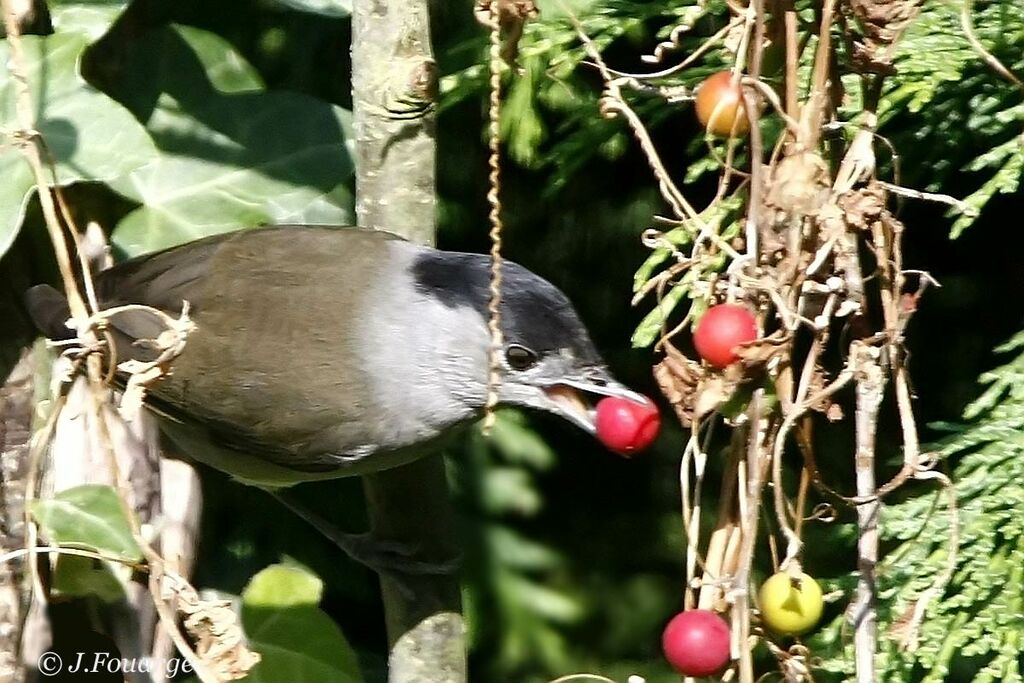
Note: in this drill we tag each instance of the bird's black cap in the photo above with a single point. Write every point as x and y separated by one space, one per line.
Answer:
534 312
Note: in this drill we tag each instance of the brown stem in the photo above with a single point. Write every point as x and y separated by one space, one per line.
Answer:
757 462
792 60
716 566
863 614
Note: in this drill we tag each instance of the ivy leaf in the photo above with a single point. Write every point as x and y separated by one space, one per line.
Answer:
325 8
81 577
231 155
189 64
89 136
296 640
88 516
91 17
280 586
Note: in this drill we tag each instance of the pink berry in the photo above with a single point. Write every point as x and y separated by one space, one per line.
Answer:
721 330
696 643
625 426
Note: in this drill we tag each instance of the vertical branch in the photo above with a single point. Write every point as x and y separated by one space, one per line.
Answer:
792 60
394 82
813 112
863 614
750 104
757 461
394 85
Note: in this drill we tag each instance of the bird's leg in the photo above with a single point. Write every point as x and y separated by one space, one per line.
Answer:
383 557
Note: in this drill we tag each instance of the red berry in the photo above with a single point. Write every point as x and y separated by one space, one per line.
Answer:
721 330
696 643
625 426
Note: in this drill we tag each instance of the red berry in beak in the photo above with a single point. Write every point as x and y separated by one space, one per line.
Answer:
625 426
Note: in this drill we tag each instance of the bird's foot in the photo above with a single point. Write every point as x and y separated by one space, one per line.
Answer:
387 556
384 556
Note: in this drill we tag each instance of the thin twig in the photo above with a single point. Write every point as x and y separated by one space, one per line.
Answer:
800 405
813 111
958 204
913 627
18 553
613 101
723 538
967 23
713 40
792 59
753 112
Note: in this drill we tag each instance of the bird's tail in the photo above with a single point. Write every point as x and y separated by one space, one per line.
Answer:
49 312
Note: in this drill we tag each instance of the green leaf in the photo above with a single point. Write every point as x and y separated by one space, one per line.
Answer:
650 327
82 577
518 443
92 19
190 64
509 490
87 516
521 124
513 551
89 17
280 586
15 191
326 8
1006 180
719 214
225 67
678 237
296 640
231 157
89 136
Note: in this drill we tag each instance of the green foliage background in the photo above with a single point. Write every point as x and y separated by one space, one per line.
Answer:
168 121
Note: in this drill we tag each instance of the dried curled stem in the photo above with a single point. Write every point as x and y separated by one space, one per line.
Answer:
496 63
84 313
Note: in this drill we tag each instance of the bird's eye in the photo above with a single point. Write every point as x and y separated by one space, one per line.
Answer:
519 357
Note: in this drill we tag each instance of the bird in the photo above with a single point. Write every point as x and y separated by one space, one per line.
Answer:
321 352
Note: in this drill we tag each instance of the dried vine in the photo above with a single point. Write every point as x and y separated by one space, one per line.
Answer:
222 653
794 254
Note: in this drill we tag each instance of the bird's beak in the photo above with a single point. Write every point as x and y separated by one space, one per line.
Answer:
576 399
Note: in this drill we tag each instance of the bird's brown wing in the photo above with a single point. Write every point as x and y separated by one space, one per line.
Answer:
265 373
163 280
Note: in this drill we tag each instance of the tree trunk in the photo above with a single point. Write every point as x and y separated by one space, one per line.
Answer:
394 85
16 404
